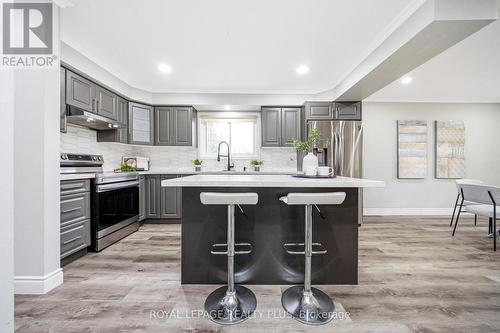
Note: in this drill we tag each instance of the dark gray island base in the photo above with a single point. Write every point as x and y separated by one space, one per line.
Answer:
269 225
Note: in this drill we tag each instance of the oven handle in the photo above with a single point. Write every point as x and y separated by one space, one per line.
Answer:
116 186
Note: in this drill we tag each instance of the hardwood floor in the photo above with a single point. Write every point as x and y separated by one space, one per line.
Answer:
413 277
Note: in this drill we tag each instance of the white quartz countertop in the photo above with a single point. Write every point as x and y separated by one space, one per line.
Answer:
260 180
73 176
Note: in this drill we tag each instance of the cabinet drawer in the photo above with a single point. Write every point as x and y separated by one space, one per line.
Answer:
75 238
75 207
75 186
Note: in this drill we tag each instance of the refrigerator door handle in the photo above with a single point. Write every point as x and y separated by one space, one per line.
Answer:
336 153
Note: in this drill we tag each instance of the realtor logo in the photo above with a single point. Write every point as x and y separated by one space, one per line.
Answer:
27 28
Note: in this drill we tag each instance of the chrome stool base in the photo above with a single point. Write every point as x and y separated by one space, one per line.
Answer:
227 308
313 308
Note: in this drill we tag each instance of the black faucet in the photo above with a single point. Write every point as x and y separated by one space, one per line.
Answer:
229 164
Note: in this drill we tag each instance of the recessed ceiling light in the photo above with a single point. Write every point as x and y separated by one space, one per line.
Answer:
406 80
302 69
164 68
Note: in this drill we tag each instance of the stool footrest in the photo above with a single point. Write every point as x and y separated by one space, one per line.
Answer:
299 248
239 248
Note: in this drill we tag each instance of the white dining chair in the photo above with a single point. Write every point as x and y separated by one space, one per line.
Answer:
460 202
488 201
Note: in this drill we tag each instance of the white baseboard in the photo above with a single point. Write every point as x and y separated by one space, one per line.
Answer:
407 211
38 285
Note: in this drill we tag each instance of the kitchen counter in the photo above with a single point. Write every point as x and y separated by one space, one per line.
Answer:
77 176
267 180
267 226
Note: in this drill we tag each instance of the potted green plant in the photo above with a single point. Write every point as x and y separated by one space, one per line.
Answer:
126 168
256 164
303 148
197 164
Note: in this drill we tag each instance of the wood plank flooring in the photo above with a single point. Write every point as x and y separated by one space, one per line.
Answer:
413 277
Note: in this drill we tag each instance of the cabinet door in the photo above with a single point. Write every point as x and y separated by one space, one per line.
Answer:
62 115
348 110
106 103
290 125
164 129
80 92
170 200
142 198
183 126
153 187
122 117
271 127
319 110
140 124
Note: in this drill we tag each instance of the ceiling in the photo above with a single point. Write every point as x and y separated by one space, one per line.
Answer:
468 72
228 46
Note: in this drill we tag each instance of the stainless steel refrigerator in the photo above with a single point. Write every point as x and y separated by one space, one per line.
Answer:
342 149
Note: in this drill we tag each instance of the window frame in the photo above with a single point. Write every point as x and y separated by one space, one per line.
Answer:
202 153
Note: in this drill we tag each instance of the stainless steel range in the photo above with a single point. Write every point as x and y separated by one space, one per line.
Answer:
115 199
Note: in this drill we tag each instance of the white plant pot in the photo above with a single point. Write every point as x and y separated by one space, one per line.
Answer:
310 164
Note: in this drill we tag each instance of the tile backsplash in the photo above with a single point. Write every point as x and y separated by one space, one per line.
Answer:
84 140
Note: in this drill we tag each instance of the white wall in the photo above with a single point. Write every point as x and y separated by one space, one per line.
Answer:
7 202
430 195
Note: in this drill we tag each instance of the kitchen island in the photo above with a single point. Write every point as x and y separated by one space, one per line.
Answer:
267 226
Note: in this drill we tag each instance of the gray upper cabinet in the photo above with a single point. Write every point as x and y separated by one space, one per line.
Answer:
164 126
62 115
348 110
140 124
153 196
80 92
318 110
121 134
106 103
290 125
271 127
280 126
183 126
170 200
174 126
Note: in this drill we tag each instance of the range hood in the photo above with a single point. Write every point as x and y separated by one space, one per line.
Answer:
83 118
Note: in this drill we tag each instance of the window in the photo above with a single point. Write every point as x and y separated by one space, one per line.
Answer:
239 129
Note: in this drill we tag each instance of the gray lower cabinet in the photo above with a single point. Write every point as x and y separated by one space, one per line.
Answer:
174 126
280 126
170 200
348 110
80 92
153 193
162 202
142 197
140 124
75 216
318 110
62 115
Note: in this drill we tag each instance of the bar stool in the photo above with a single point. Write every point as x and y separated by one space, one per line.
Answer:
231 304
304 303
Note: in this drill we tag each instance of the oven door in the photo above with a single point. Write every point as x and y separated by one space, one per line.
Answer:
116 206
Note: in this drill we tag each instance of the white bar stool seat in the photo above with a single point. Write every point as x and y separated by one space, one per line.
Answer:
231 304
304 303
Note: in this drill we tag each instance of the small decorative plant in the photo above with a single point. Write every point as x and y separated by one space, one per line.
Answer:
197 164
126 168
313 139
256 164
